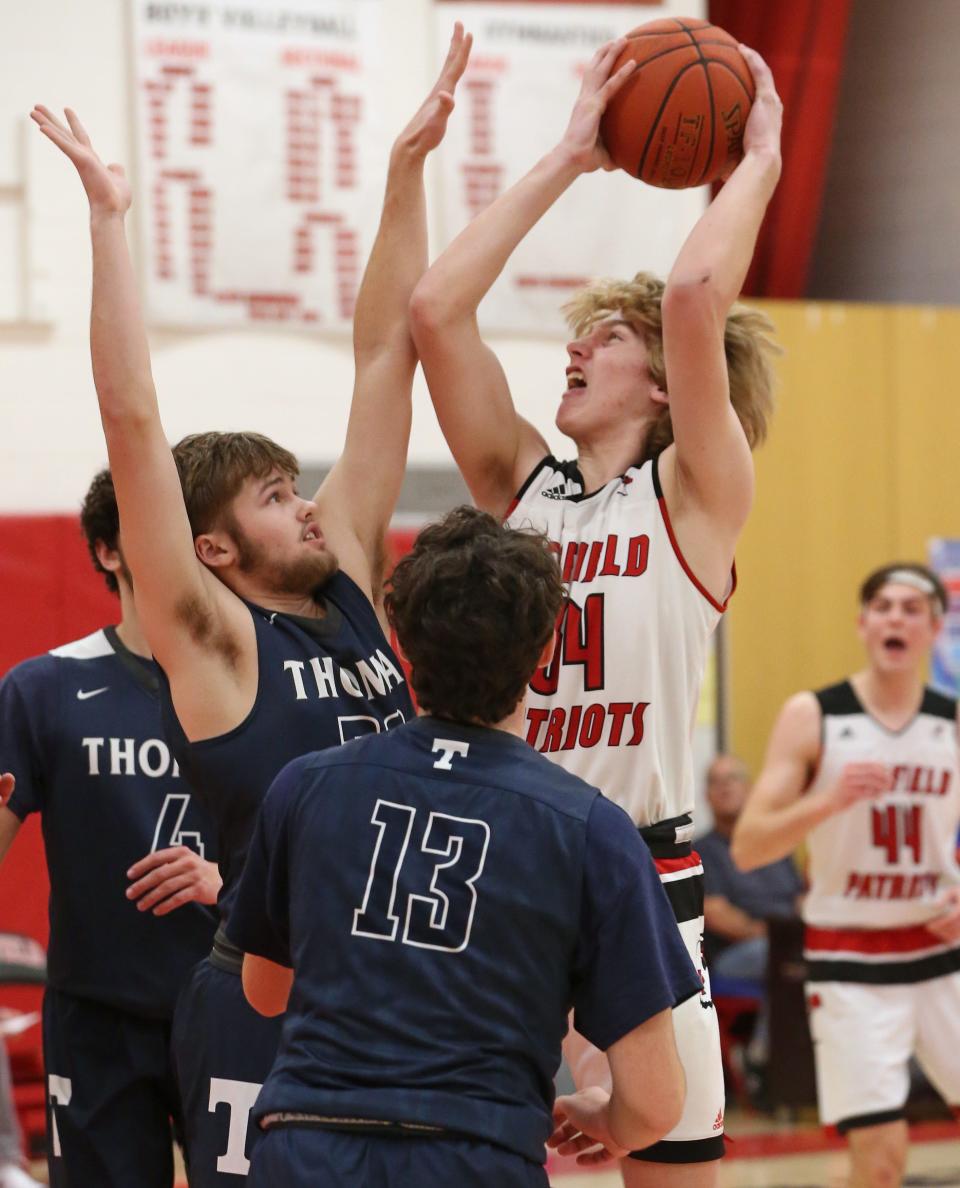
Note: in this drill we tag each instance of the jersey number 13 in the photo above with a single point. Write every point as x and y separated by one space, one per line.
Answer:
442 917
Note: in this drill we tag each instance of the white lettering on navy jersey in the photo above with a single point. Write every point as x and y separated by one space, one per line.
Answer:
450 747
151 758
374 677
443 918
238 1097
169 832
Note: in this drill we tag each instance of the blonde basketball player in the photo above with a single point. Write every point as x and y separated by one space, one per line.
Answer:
868 771
667 389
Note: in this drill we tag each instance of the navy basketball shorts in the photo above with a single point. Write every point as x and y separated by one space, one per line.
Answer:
307 1157
222 1051
112 1104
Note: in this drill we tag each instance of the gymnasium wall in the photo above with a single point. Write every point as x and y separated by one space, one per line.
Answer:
294 387
860 469
890 226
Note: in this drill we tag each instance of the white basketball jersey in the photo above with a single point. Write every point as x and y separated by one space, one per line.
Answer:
885 863
618 704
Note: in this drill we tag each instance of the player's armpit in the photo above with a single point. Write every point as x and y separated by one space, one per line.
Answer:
266 985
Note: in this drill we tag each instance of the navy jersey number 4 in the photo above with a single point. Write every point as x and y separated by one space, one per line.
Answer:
443 917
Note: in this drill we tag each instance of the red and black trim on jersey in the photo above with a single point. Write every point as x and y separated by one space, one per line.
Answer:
841 700
662 503
878 956
572 477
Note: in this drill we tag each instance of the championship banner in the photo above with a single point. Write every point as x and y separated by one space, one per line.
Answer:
945 666
260 158
512 107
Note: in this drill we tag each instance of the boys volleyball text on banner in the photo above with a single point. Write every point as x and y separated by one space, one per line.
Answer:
260 159
514 103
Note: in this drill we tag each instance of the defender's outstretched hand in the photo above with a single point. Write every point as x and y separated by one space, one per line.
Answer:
582 137
107 187
582 1128
427 128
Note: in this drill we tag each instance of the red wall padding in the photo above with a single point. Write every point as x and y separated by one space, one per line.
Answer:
50 594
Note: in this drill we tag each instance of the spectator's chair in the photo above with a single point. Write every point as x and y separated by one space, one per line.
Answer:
737 1002
22 976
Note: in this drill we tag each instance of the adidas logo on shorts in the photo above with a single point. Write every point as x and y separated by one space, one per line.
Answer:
718 1125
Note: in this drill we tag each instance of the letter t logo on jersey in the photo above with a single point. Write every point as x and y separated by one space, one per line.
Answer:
450 747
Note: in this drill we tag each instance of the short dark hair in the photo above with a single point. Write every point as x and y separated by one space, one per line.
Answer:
937 591
473 605
214 466
100 520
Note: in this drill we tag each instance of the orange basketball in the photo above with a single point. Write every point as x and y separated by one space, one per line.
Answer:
678 120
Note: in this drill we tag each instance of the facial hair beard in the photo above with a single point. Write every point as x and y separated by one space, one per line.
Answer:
305 576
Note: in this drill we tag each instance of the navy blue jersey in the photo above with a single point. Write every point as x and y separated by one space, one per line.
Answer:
321 682
80 729
445 894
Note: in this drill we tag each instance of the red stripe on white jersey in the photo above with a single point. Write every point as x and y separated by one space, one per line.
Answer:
880 944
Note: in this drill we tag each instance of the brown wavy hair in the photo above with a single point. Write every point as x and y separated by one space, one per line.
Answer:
473 605
214 466
748 344
874 582
100 520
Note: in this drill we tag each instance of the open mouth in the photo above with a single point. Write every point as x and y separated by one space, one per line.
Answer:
575 379
894 644
313 534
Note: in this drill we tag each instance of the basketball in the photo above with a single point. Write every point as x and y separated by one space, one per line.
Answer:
678 120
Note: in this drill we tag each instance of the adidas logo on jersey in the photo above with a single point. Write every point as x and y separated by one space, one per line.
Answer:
560 492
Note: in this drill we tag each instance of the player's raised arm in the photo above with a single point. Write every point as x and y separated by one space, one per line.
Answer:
778 814
158 542
361 491
493 445
714 471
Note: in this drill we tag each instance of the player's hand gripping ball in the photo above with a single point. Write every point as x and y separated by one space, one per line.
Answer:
678 120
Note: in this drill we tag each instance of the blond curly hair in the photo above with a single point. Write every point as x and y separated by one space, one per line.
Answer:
748 343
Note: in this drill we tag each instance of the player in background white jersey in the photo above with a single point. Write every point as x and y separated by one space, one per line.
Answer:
667 389
868 771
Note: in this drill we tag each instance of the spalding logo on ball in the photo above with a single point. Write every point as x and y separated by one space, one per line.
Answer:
678 120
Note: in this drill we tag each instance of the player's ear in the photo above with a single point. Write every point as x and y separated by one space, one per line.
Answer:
658 395
547 654
215 549
109 558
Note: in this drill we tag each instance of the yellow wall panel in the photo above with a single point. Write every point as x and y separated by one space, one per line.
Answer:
926 370
824 514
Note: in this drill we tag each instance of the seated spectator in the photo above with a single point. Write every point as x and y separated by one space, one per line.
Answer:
737 904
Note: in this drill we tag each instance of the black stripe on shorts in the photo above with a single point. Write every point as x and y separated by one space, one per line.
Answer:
884 973
689 1151
686 897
